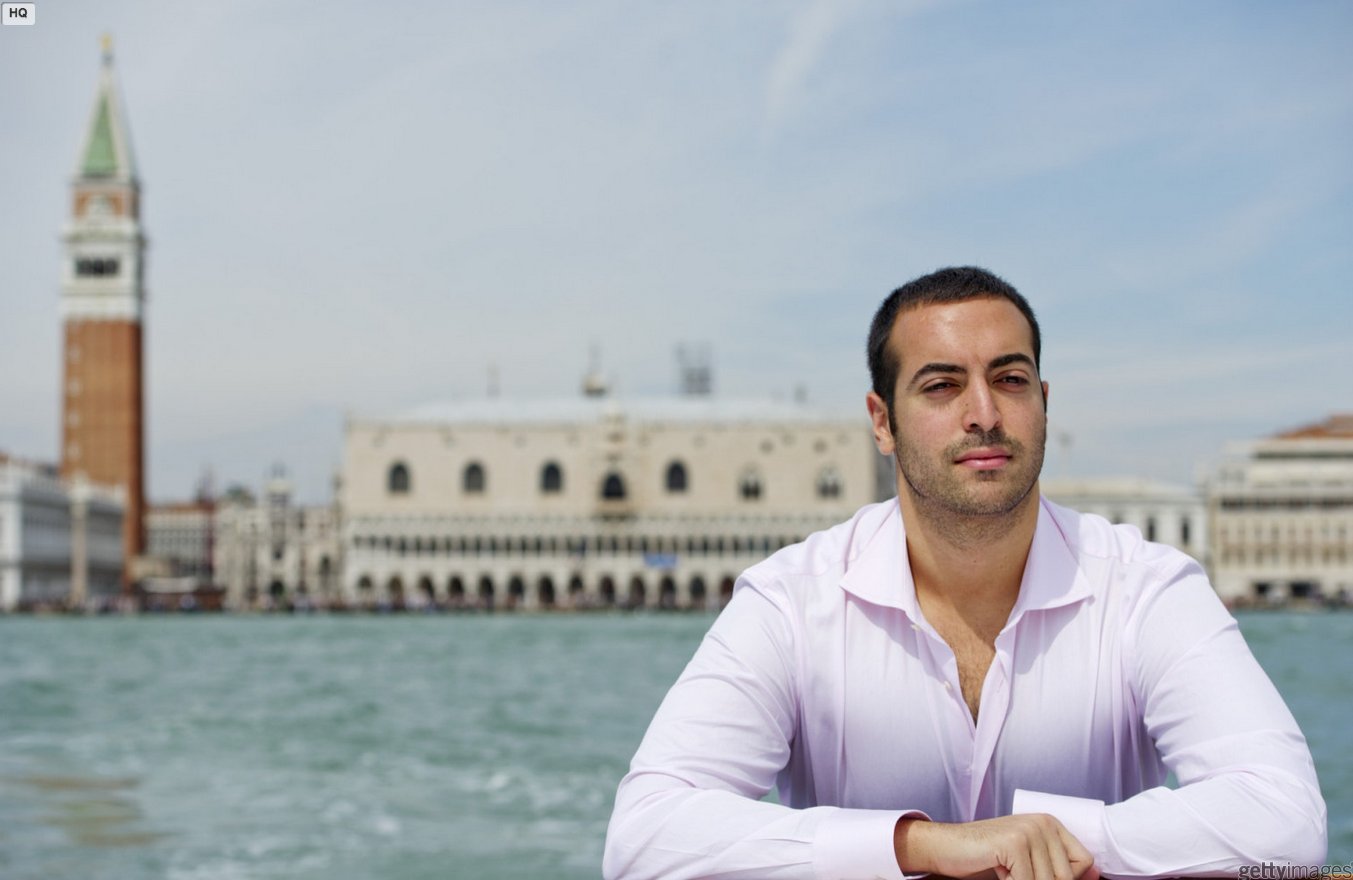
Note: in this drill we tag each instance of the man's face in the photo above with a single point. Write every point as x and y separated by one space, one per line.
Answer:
969 411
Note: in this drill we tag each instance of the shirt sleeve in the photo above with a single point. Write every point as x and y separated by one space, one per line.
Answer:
1247 791
690 805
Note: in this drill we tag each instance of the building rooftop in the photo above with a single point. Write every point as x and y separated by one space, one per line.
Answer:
1337 426
584 410
1113 487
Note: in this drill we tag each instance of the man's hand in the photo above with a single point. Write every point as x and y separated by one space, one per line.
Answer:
1024 847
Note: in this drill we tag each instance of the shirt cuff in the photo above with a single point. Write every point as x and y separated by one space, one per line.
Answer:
1083 817
858 845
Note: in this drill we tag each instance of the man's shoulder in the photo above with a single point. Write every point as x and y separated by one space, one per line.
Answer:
1092 538
823 556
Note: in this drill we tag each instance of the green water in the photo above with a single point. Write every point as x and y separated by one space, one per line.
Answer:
394 747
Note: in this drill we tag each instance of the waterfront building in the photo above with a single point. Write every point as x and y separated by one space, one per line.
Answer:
1281 513
1162 512
275 553
178 570
593 501
60 539
102 302
180 536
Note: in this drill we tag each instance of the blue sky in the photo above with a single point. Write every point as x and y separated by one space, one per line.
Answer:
359 208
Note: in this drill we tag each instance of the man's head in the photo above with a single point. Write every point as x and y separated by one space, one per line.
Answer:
958 400
953 284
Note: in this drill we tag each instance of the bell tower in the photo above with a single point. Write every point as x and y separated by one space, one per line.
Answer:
102 306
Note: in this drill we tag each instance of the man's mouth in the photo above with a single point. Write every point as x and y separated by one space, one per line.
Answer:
984 459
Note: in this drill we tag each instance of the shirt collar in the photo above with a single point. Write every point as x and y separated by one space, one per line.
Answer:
879 572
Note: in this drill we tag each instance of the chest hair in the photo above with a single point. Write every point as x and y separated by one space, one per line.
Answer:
974 648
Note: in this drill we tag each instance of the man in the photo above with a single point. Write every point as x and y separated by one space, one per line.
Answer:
968 679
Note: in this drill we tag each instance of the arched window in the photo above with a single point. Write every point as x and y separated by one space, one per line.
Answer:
676 477
749 485
697 592
638 594
397 481
613 487
828 483
551 478
474 480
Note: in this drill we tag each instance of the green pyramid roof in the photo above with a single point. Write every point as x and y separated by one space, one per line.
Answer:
107 150
100 154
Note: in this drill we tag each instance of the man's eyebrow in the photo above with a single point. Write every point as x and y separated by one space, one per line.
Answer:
1004 360
935 368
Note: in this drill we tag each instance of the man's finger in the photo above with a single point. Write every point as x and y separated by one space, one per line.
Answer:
1081 860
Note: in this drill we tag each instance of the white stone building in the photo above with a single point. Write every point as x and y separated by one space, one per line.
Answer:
590 502
1281 512
275 553
182 536
60 540
1162 512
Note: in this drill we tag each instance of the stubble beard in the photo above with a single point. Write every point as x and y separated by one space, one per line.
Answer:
957 507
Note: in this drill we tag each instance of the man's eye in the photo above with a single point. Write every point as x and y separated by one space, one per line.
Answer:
1015 380
939 386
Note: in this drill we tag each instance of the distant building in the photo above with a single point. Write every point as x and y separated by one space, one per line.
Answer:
178 564
60 540
590 502
274 553
1282 515
1162 512
102 301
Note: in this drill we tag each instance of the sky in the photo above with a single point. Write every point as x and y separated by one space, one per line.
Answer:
355 209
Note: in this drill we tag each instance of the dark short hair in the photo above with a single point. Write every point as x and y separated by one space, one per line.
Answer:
951 285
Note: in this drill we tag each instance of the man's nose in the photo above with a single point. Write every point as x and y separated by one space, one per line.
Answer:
981 413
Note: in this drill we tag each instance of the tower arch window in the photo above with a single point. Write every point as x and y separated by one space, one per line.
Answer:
474 480
829 483
613 487
749 485
676 477
551 478
96 267
397 480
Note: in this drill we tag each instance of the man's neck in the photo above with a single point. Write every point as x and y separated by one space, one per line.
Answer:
971 564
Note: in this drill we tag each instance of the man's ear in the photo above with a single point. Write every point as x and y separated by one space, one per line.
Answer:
1045 398
878 417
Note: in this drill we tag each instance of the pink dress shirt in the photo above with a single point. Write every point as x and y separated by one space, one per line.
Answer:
822 676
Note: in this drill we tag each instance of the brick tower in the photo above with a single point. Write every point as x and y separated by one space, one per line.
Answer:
102 303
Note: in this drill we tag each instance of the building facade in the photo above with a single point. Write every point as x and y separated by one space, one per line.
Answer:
102 302
272 553
1281 513
1162 512
60 540
589 502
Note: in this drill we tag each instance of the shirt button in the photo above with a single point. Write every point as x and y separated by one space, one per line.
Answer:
948 686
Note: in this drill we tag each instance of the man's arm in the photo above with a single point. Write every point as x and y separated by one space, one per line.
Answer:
1247 786
690 805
